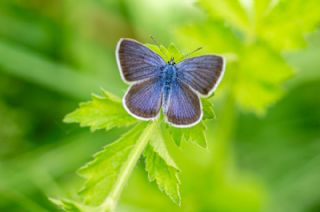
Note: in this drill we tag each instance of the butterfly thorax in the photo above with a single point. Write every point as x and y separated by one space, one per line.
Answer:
168 78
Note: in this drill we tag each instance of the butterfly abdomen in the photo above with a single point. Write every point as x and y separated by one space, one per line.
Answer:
168 77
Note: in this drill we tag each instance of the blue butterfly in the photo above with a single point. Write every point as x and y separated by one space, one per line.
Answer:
157 84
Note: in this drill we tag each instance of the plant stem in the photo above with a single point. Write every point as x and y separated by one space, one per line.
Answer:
111 201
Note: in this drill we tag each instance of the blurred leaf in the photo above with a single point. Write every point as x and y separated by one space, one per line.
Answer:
256 68
161 168
290 134
260 9
252 65
35 68
253 96
102 172
231 11
258 85
288 22
67 205
214 36
102 112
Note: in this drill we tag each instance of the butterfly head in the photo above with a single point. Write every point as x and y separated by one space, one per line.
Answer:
171 61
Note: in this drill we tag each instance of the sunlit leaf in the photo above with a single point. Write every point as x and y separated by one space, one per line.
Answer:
162 169
67 205
262 64
214 36
260 9
102 172
261 73
259 69
207 109
287 24
102 112
195 134
167 53
253 96
231 11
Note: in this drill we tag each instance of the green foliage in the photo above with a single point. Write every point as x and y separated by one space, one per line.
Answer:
60 61
194 134
68 205
102 173
285 24
257 86
107 174
166 53
161 168
207 108
102 112
253 38
231 10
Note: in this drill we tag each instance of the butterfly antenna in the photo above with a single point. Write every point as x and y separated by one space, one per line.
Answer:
190 53
158 45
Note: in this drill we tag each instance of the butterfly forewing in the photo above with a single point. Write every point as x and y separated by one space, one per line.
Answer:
136 62
184 107
202 73
143 99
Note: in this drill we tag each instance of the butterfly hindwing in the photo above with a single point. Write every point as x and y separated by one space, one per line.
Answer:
143 99
137 62
184 107
202 73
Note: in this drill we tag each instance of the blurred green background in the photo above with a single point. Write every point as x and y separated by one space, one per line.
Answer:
54 54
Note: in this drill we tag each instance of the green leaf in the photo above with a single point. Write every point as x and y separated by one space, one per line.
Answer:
207 108
261 9
258 85
102 173
195 134
213 35
68 205
102 112
256 68
231 11
287 23
161 168
167 53
175 53
172 133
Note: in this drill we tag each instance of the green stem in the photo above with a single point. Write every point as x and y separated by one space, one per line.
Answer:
111 201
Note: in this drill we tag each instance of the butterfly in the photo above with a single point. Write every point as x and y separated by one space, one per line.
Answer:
174 87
